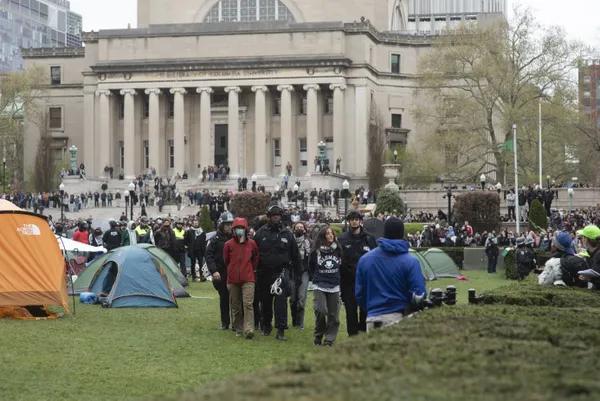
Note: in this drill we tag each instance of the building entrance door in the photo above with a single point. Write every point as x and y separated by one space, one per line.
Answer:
221 145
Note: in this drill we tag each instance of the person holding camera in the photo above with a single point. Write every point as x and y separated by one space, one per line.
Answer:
388 277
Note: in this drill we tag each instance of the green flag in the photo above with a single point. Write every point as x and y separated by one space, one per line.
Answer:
507 146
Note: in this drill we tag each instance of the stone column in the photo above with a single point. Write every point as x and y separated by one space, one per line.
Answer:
338 126
154 129
260 131
312 125
179 130
361 122
90 151
233 131
206 151
129 134
286 127
105 150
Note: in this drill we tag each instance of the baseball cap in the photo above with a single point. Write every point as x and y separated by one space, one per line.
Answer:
590 232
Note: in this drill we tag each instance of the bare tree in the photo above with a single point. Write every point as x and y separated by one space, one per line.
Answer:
44 174
377 141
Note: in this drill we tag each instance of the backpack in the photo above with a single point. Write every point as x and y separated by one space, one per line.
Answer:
570 265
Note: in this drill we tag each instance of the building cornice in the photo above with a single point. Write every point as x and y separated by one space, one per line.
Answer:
166 65
53 52
362 27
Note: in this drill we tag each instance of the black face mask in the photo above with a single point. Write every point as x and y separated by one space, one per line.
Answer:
299 233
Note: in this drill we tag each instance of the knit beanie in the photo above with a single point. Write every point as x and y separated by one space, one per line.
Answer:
393 228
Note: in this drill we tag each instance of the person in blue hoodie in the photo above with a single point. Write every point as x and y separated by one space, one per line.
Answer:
387 277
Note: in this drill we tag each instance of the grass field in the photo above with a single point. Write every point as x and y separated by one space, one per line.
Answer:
132 353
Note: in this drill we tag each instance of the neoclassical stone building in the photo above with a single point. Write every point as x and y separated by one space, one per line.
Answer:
248 83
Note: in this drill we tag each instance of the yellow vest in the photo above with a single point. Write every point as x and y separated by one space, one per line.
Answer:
179 234
141 231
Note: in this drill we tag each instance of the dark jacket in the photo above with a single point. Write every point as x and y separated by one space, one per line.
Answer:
278 250
165 240
325 267
112 239
353 247
195 240
214 255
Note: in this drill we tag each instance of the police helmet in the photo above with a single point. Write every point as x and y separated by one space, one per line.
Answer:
113 224
225 217
354 214
529 240
274 210
520 241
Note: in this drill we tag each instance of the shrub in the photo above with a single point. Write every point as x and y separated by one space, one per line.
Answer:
537 216
388 201
337 230
205 222
249 204
411 228
480 208
530 293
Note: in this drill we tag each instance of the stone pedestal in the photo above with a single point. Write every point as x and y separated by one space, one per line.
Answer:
391 172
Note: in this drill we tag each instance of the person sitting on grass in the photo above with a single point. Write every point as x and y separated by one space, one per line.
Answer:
388 277
240 255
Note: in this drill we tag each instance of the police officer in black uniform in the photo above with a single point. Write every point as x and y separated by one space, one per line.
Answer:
216 264
112 238
355 242
279 258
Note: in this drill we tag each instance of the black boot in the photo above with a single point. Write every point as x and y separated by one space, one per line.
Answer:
280 335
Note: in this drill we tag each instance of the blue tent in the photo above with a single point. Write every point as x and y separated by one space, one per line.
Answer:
130 277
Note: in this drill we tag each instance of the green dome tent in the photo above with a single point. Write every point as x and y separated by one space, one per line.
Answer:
426 269
171 270
441 264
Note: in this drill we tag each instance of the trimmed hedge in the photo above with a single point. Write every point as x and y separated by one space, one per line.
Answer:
411 228
510 262
530 293
487 352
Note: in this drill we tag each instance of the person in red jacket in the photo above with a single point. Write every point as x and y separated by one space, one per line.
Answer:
241 258
82 235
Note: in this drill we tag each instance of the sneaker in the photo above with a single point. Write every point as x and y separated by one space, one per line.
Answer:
280 335
301 327
318 341
249 335
224 328
328 344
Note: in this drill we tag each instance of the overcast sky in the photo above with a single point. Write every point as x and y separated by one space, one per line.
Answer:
578 17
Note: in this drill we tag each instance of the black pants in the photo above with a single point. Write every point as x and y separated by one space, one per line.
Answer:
180 260
356 317
270 303
511 213
221 287
492 262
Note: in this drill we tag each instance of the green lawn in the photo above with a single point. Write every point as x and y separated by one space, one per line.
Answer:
134 353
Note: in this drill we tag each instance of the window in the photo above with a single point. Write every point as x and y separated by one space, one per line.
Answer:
224 142
249 10
171 107
303 146
328 103
303 150
121 155
396 120
55 75
55 118
395 64
146 105
220 100
121 107
277 104
146 154
171 154
303 104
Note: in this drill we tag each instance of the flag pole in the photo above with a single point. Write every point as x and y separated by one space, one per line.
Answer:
517 208
540 142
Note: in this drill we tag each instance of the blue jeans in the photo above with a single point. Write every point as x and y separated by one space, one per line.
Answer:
298 300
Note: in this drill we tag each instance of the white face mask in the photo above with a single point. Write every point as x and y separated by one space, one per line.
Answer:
239 232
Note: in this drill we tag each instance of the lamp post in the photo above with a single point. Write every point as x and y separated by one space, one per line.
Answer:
131 188
449 196
254 178
570 190
4 174
395 156
345 193
296 188
548 180
61 187
482 178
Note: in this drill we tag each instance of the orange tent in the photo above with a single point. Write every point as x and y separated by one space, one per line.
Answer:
32 268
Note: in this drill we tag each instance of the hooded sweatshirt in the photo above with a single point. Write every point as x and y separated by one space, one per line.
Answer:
387 277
